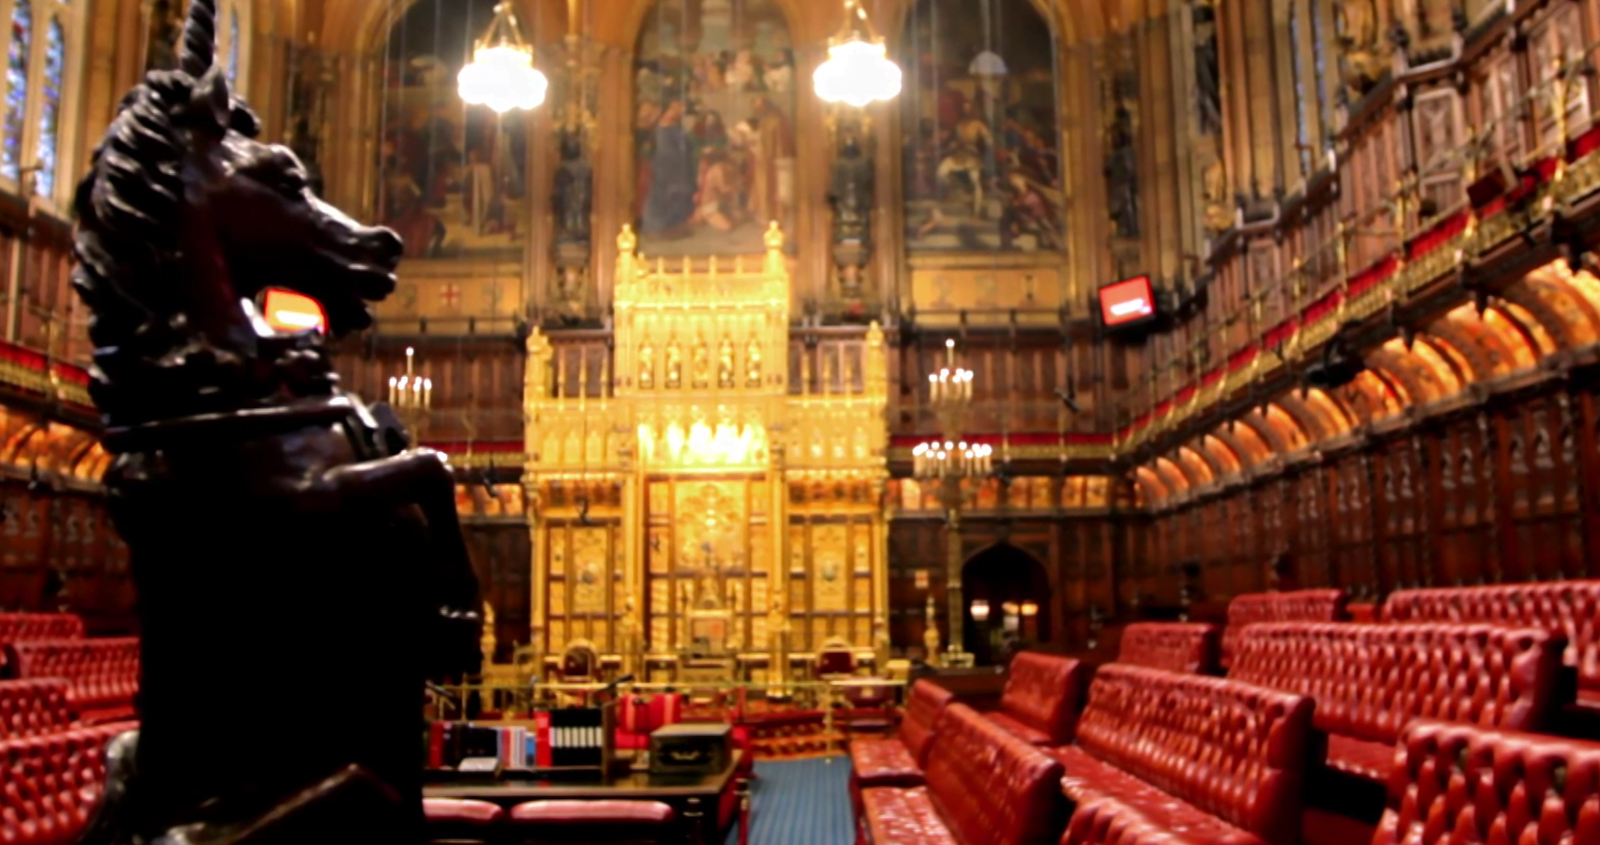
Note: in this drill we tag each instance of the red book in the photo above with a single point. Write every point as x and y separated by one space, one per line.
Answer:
541 723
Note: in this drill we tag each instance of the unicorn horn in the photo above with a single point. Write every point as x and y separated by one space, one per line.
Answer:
198 49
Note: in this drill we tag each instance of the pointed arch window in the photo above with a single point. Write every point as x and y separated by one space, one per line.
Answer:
55 55
37 127
17 55
1302 104
233 46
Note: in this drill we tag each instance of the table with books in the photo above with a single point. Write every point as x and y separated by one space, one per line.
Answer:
509 764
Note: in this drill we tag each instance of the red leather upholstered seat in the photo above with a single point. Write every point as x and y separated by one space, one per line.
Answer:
33 707
1454 784
1042 697
1568 608
1163 757
609 822
102 674
898 760
638 716
1368 681
462 819
1294 606
984 787
22 627
49 784
1174 646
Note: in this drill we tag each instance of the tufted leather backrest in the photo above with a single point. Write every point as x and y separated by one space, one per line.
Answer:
99 672
1293 606
1174 646
924 704
1045 692
1237 751
50 784
17 627
990 787
1569 608
1455 784
33 707
1370 680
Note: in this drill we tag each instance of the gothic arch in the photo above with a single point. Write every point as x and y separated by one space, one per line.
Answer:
1225 460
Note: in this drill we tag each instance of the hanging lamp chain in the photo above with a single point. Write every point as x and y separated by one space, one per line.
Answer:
857 26
503 31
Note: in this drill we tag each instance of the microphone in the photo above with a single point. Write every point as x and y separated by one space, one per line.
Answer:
612 687
443 693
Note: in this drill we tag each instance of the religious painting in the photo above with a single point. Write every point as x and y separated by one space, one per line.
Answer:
714 139
452 178
982 153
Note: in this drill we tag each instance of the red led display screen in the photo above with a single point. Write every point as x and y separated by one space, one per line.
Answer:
1128 301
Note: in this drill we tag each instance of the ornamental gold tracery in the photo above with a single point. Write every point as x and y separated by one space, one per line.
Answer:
727 476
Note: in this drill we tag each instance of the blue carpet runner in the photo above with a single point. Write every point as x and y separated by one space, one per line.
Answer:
800 802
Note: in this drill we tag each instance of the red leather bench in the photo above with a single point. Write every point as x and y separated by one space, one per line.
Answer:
33 707
52 784
1189 647
102 674
1569 608
984 787
1164 758
1369 681
1042 697
1454 783
1293 606
22 627
898 760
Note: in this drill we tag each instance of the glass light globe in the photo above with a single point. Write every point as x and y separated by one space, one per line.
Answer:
502 78
856 73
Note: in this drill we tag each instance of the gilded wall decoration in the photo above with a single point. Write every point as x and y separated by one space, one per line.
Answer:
953 289
453 178
982 154
589 571
714 126
831 581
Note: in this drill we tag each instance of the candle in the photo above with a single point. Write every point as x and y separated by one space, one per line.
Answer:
392 384
427 393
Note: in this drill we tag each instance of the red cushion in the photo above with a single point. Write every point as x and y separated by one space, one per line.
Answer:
462 811
1025 732
32 707
894 816
102 674
602 816
883 762
1369 760
51 784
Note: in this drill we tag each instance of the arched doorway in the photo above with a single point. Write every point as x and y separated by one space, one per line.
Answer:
1010 591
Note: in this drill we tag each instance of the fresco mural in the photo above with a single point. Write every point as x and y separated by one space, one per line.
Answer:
714 127
978 115
452 177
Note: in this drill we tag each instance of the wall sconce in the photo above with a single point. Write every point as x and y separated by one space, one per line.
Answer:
980 610
1030 608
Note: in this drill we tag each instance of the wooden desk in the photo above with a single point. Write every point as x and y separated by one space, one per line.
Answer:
695 797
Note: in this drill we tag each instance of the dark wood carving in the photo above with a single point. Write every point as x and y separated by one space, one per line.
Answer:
286 544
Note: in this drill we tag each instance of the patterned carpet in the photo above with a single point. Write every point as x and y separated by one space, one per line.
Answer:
800 802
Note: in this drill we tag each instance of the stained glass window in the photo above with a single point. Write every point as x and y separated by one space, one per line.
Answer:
55 49
1320 62
233 45
16 89
1302 106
